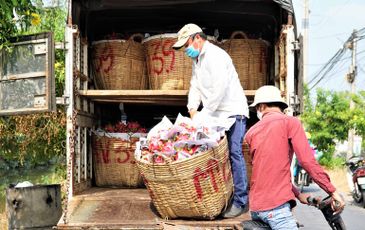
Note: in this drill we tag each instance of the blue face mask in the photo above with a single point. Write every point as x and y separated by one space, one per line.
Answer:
192 52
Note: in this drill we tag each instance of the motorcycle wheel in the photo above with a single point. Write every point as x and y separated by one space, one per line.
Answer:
357 194
363 199
302 183
338 224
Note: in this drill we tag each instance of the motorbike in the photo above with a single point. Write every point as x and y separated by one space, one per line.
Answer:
302 178
334 220
356 175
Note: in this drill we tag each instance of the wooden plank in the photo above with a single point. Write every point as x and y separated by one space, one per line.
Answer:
24 76
133 92
130 208
143 96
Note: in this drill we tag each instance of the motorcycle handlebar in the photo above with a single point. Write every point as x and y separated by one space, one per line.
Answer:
321 204
312 201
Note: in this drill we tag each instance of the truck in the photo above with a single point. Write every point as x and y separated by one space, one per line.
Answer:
91 207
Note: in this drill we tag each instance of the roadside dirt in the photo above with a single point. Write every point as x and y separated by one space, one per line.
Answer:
339 180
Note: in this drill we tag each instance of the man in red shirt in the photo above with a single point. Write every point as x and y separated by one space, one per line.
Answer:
272 141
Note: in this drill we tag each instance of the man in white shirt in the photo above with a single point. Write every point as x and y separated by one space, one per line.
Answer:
215 84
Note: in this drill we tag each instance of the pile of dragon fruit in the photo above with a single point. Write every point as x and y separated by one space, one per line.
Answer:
168 142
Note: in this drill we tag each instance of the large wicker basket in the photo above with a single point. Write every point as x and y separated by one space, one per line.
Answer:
199 187
249 57
114 162
248 160
119 64
168 69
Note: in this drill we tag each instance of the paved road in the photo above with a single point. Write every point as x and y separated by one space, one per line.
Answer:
312 218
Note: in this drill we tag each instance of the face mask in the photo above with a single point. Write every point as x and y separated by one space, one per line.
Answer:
192 52
259 115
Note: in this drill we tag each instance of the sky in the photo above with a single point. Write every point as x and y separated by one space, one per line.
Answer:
331 23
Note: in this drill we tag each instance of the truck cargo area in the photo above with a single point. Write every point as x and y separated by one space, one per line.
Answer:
90 108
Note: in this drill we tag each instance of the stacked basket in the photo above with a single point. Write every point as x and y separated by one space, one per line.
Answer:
248 160
119 64
199 187
249 57
168 69
114 162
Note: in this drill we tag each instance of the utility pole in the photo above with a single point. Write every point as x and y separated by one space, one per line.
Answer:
351 79
305 25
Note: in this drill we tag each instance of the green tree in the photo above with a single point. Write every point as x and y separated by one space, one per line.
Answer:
358 118
329 119
36 139
16 16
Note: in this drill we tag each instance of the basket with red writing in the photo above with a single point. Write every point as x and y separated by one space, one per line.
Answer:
167 69
198 187
119 64
114 157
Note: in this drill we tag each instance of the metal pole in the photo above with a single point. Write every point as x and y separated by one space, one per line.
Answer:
305 25
351 79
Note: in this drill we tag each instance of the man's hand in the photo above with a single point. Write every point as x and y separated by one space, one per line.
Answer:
192 113
302 197
338 202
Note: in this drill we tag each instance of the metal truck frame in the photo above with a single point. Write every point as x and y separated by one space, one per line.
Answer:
90 207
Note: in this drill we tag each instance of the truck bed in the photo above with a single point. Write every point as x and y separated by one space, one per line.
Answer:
111 208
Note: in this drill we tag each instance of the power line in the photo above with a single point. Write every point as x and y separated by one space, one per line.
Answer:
328 67
338 60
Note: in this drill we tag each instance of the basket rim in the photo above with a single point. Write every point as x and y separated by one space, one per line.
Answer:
167 35
267 43
108 41
180 161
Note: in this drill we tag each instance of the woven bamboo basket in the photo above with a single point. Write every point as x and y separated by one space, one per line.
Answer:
249 57
119 64
168 69
248 160
114 162
199 187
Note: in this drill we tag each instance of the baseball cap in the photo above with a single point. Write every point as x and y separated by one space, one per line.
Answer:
184 33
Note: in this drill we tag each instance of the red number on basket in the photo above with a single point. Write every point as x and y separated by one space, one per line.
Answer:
198 188
155 58
126 152
209 172
105 156
166 49
105 56
213 164
226 176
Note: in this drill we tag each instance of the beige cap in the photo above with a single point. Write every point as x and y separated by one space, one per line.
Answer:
268 94
184 34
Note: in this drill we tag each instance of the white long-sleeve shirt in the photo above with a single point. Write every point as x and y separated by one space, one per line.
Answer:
215 83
